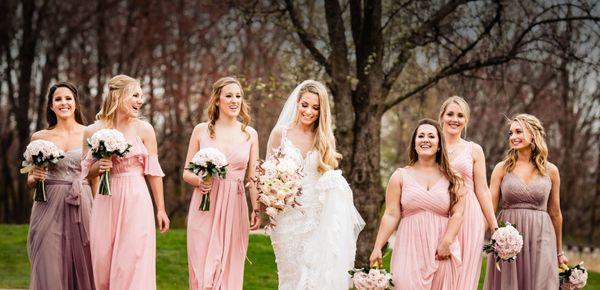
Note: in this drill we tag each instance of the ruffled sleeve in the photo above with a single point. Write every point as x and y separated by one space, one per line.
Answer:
86 163
152 166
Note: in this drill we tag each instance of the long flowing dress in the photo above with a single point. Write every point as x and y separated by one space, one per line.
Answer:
122 227
472 232
58 241
422 226
524 205
315 243
217 240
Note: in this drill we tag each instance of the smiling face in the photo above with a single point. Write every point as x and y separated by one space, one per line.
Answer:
230 100
519 137
454 119
63 103
426 141
308 108
133 101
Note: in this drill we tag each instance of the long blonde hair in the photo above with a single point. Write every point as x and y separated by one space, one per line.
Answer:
464 106
539 149
118 87
213 109
324 140
441 158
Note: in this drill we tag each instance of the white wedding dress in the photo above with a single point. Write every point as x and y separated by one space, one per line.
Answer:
315 243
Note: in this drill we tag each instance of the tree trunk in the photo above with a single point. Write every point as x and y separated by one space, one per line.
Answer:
365 178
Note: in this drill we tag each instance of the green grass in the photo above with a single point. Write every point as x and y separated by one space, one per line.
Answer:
171 268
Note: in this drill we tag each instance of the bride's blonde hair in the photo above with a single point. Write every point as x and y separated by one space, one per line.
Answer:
324 139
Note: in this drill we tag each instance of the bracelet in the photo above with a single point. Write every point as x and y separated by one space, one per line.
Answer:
562 253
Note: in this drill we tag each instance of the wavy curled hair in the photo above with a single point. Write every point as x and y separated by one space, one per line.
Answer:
51 116
324 140
539 149
441 158
464 106
118 87
213 108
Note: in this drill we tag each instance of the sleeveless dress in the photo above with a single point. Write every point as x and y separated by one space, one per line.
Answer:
58 241
217 240
472 231
315 243
422 226
122 226
524 205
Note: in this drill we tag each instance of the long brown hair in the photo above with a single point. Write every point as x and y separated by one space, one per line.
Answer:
539 149
51 116
441 158
213 109
324 139
118 87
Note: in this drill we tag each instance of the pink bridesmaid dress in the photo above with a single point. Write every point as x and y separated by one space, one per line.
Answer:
217 239
472 231
122 227
423 224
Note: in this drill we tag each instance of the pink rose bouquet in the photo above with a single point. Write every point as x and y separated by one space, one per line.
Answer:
572 278
106 143
368 278
505 244
40 153
208 162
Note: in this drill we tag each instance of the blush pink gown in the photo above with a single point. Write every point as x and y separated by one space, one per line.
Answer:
423 224
472 231
122 226
217 239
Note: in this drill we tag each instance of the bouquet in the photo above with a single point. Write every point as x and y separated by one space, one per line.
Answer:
106 143
208 162
368 278
506 243
572 278
40 153
278 182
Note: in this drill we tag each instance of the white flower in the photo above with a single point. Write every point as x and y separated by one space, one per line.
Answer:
50 152
114 142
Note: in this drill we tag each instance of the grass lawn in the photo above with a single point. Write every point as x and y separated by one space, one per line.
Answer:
171 265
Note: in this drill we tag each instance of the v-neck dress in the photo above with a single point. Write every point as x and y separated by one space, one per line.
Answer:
217 240
525 206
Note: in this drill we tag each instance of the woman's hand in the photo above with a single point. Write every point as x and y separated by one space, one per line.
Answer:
39 173
376 258
163 221
255 220
205 185
443 250
562 259
104 165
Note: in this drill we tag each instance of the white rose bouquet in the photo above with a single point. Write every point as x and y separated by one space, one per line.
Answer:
368 278
208 162
572 278
40 153
505 244
106 143
278 182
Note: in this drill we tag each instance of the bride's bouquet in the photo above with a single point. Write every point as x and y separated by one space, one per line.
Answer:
40 153
106 143
505 244
368 278
572 278
208 162
279 184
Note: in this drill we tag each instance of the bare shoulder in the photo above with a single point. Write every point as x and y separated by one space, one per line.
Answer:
92 128
253 133
499 169
477 149
553 170
396 177
40 135
201 127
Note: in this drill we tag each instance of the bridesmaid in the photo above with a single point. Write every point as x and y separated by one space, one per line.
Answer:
122 234
217 240
427 194
529 187
58 241
468 159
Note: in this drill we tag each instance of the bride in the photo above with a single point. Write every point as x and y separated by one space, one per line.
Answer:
315 242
